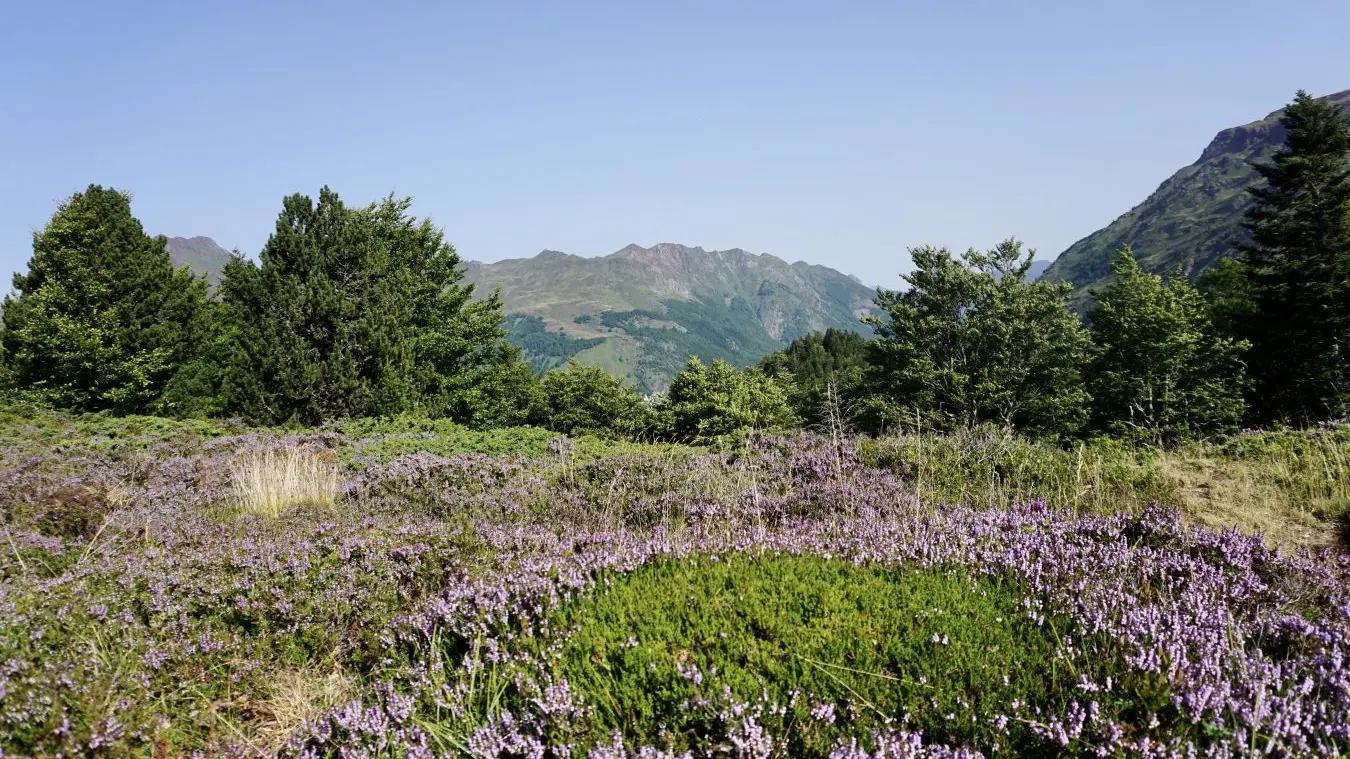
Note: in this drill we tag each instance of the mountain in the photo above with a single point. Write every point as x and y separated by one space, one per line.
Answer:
201 254
641 312
1034 272
1191 220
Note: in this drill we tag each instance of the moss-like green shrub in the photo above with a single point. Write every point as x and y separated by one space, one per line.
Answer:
934 650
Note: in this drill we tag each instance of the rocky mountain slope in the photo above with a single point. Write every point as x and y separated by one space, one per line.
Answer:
641 312
201 254
1191 220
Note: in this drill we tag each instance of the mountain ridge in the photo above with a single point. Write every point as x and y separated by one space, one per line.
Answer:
641 311
1191 221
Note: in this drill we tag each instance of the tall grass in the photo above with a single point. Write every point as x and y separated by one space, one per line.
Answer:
992 468
266 482
1293 487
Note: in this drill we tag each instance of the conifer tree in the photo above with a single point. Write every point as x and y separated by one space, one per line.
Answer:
359 312
823 368
102 319
1160 372
1297 263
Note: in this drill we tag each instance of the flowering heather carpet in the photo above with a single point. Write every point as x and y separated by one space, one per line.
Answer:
785 600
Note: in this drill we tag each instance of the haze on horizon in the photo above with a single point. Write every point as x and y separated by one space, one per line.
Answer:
837 137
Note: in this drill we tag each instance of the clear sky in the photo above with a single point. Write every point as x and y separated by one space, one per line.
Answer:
837 133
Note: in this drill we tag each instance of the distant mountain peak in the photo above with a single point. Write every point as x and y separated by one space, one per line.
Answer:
200 254
548 253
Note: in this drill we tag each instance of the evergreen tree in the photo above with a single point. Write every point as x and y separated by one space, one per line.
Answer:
973 343
1298 265
1160 372
102 319
1228 292
707 402
816 363
360 312
589 400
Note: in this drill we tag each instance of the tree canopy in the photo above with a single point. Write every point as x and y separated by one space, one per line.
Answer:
709 401
1159 371
971 342
102 319
1297 264
359 312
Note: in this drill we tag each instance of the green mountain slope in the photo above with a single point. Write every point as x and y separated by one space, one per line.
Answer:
1191 220
201 254
641 312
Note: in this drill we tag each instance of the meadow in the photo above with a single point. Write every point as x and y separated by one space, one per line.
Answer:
412 588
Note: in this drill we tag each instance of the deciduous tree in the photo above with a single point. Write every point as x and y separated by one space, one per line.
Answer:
1160 371
971 342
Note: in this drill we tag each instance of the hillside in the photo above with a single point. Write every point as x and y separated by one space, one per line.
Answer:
201 254
1191 220
641 312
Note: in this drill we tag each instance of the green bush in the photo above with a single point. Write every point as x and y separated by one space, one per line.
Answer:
710 402
889 641
589 400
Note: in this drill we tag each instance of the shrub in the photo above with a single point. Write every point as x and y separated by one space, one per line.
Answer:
708 402
810 633
587 399
70 511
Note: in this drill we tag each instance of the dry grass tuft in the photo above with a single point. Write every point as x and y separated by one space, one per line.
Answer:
269 481
295 697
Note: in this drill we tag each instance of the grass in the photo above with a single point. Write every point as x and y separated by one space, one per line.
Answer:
267 482
295 697
1291 486
992 468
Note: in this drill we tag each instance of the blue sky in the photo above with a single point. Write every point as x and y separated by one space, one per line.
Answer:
836 133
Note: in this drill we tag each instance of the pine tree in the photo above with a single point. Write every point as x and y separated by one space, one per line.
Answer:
102 319
823 368
1298 265
1160 371
359 312
973 343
